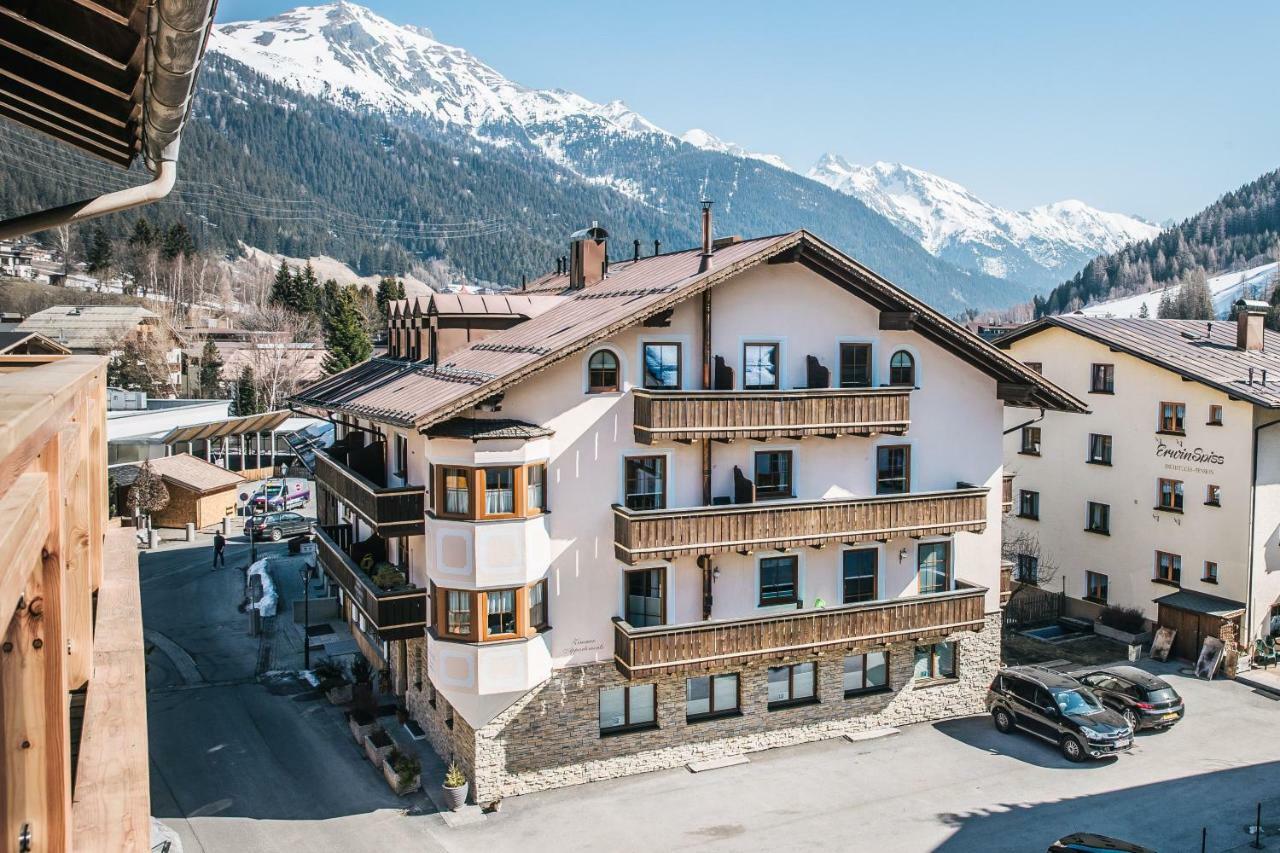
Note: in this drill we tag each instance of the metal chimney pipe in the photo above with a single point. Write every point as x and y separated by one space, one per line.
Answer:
636 246
657 247
707 242
1250 375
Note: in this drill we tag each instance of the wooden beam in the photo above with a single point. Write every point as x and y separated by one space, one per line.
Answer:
1014 392
25 511
899 321
787 256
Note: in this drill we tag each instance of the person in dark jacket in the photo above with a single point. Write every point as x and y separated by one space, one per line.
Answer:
219 545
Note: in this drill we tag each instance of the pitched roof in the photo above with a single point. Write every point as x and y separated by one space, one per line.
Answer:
1199 602
420 394
29 343
1197 350
480 429
182 470
86 327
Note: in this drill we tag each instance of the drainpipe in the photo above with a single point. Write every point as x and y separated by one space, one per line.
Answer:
1253 510
1034 420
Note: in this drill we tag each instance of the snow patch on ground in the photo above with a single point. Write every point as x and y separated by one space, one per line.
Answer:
1223 289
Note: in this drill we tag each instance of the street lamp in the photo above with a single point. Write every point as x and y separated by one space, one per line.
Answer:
308 571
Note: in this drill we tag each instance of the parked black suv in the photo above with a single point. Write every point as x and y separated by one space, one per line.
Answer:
1059 709
276 525
1145 701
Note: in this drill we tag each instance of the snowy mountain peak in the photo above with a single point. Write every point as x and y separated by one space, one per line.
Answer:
699 138
1040 245
347 54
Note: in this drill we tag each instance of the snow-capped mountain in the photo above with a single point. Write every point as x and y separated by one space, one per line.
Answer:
699 138
1040 245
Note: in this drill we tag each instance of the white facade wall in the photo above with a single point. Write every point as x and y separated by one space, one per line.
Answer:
1066 482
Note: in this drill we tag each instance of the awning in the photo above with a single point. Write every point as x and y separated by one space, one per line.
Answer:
1199 602
264 422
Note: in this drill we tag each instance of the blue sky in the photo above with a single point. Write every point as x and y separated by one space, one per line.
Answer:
1153 109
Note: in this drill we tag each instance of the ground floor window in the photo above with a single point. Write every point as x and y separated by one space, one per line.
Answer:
936 661
1095 587
792 685
866 673
627 708
711 696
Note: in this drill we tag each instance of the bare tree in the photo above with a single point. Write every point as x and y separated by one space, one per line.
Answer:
1031 565
279 355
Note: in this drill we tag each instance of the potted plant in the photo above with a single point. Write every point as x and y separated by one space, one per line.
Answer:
361 723
377 745
455 787
362 690
402 772
1123 624
333 681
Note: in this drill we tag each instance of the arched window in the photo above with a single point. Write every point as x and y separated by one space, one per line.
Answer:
602 372
902 369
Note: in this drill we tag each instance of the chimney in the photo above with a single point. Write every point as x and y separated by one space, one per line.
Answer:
588 256
636 246
1250 314
707 239
558 270
657 247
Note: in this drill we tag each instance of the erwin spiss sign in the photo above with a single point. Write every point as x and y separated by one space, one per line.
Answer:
1179 452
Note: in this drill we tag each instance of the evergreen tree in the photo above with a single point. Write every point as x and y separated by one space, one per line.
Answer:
389 290
246 399
99 256
132 368
345 337
210 372
1165 309
282 286
177 241
1144 312
306 291
1194 300
143 233
148 493
329 296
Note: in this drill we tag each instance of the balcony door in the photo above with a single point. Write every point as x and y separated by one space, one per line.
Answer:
646 597
646 482
934 567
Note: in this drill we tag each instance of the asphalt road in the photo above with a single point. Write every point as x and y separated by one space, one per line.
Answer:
245 763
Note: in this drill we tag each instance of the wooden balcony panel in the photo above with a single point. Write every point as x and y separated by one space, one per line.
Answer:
396 615
1006 582
724 415
773 525
391 510
704 646
1007 494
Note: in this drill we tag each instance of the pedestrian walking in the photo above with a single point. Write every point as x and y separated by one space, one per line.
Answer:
219 545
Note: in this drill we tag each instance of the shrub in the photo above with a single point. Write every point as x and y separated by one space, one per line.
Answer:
387 576
453 777
330 673
406 766
361 671
1127 619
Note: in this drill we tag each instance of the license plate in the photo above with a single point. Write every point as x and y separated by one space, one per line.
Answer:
1172 716
1121 744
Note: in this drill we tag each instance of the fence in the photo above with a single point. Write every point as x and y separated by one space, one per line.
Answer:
1029 605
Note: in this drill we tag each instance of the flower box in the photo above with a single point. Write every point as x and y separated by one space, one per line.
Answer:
361 723
393 779
340 695
1121 636
377 746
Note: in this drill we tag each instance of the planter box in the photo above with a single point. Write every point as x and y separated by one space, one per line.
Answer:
339 695
393 779
1121 636
379 750
361 724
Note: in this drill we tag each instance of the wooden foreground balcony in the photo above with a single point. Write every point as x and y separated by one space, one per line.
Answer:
398 614
391 510
720 643
664 534
726 415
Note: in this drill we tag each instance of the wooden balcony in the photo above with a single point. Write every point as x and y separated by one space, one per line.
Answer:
395 614
720 643
391 510
664 534
726 415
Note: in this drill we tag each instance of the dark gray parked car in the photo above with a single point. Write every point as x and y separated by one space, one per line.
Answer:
276 525
1145 701
1057 708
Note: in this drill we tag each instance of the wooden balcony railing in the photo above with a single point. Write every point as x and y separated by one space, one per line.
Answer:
664 534
391 510
1006 581
689 415
395 614
700 646
1007 495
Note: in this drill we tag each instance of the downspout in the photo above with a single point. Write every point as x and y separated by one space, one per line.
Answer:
1253 510
1034 420
177 33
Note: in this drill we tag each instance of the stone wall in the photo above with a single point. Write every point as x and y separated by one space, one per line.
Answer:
550 737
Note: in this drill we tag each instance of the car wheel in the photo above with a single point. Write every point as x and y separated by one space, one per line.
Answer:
1071 749
276 534
1004 722
1131 720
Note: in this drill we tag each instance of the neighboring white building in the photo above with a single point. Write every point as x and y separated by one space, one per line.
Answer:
649 511
1167 496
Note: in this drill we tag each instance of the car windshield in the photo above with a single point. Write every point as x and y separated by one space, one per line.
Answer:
1076 702
1164 694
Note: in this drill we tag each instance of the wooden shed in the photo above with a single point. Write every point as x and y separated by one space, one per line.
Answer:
1195 615
200 493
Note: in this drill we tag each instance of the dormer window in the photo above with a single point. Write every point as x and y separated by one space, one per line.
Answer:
902 369
602 372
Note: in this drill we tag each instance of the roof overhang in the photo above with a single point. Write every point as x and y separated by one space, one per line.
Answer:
264 422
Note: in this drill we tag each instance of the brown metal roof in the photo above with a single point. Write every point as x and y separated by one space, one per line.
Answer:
1194 349
421 394
264 422
503 305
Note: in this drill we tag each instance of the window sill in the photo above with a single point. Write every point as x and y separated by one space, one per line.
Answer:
1095 600
1181 433
926 683
1028 452
792 703
1097 531
1163 582
1213 423
867 691
766 608
1167 509
717 715
1029 517
1097 462
1213 581
627 730
1213 503
1102 391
